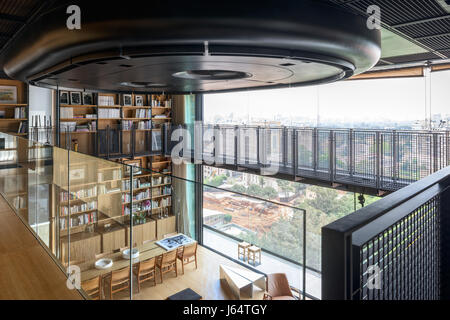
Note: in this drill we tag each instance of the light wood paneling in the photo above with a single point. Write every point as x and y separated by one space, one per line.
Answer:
143 232
395 73
165 226
441 67
26 269
83 247
113 240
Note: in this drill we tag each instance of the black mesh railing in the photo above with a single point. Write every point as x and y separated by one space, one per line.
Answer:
394 249
378 159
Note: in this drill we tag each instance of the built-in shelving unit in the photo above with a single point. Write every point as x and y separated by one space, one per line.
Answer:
102 216
13 113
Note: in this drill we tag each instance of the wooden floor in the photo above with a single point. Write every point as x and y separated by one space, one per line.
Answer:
204 280
26 269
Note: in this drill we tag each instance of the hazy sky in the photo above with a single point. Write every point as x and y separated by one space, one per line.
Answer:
369 100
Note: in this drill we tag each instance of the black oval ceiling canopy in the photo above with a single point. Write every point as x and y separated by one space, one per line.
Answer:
193 46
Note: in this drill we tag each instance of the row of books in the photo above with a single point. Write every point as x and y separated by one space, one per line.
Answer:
66 113
23 127
126 198
20 112
92 205
159 103
105 100
138 113
160 180
108 113
80 220
137 207
141 125
80 194
137 183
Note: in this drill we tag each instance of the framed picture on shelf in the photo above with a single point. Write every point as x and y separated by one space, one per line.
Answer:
77 173
139 100
64 97
87 98
75 98
8 94
135 164
127 100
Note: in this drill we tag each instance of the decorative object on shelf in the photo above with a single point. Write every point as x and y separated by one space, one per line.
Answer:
64 97
8 94
75 98
139 100
103 264
127 100
75 145
87 98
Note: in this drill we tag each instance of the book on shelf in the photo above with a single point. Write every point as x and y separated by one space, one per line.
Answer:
2 114
66 112
20 113
105 100
108 113
64 210
80 220
67 126
22 128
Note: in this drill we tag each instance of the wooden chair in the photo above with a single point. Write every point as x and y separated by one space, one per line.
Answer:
119 280
167 262
278 287
168 235
254 255
186 254
144 271
242 250
92 288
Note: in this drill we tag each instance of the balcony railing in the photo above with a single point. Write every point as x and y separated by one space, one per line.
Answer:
396 248
374 159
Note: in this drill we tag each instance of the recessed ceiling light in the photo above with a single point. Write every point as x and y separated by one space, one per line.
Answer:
141 84
212 75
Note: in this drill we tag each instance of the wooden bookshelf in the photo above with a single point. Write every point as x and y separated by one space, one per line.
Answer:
152 193
14 114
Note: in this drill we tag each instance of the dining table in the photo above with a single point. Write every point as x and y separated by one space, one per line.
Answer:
146 251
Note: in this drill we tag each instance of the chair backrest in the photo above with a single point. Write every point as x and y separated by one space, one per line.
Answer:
168 235
147 265
169 257
120 276
91 285
278 285
190 250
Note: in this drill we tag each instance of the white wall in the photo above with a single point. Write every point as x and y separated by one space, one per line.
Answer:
40 101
